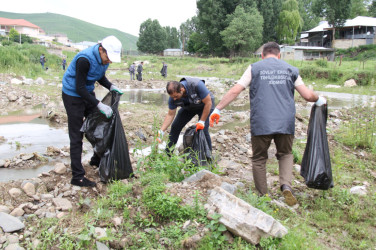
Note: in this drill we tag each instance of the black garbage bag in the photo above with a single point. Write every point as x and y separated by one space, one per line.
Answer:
188 137
108 140
196 146
316 168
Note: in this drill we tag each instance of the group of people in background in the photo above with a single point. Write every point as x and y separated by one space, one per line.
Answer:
140 68
132 68
132 71
43 60
271 82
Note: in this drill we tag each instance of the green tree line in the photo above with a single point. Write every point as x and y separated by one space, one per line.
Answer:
238 27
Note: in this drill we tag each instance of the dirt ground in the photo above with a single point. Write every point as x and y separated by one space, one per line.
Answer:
231 145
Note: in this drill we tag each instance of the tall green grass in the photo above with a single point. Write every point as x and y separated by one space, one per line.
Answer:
360 130
24 60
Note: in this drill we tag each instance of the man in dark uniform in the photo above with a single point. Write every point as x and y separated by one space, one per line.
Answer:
164 70
140 68
272 83
194 98
87 67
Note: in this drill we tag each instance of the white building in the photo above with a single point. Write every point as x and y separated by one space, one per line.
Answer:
172 52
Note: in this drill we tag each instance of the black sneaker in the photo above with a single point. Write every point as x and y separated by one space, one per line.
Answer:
84 182
287 193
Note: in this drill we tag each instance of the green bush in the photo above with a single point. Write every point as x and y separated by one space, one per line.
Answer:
322 63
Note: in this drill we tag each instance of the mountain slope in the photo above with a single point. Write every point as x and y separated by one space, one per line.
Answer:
76 29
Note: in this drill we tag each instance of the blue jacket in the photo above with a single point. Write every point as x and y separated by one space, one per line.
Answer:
96 72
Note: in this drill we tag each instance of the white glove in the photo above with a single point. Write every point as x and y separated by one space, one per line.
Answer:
321 101
105 109
114 88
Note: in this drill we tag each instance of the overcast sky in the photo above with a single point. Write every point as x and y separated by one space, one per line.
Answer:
124 15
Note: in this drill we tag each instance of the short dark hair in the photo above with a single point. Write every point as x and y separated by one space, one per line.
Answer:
101 46
173 87
271 48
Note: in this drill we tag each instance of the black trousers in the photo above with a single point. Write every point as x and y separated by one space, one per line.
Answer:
77 109
181 119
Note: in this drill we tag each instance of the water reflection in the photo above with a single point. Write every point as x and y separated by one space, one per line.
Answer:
144 96
34 136
18 174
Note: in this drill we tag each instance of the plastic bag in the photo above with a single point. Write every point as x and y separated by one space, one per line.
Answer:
108 140
197 147
188 137
316 168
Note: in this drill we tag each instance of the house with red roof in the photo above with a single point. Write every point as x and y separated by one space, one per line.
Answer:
21 25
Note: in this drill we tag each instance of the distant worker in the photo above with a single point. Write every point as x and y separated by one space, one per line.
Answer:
132 69
64 63
164 70
272 84
140 68
42 60
194 98
87 67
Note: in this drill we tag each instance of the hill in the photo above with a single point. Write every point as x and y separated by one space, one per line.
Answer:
76 29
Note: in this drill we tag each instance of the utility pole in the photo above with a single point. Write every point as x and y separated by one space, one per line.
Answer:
20 37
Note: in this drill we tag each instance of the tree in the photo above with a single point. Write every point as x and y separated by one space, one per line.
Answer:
358 8
372 9
186 29
270 10
244 32
212 20
198 44
172 37
152 37
289 23
334 11
310 19
14 35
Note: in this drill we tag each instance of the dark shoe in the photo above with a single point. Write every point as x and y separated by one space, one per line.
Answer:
287 193
84 182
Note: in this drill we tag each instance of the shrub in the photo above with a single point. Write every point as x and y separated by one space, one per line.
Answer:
322 63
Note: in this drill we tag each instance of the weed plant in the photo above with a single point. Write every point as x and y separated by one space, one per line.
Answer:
359 132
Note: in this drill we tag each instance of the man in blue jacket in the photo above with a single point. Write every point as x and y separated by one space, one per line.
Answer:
87 67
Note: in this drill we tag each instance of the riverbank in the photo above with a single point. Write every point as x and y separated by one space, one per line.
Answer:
156 209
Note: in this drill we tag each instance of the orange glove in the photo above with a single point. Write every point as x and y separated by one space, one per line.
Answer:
214 117
160 136
200 125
